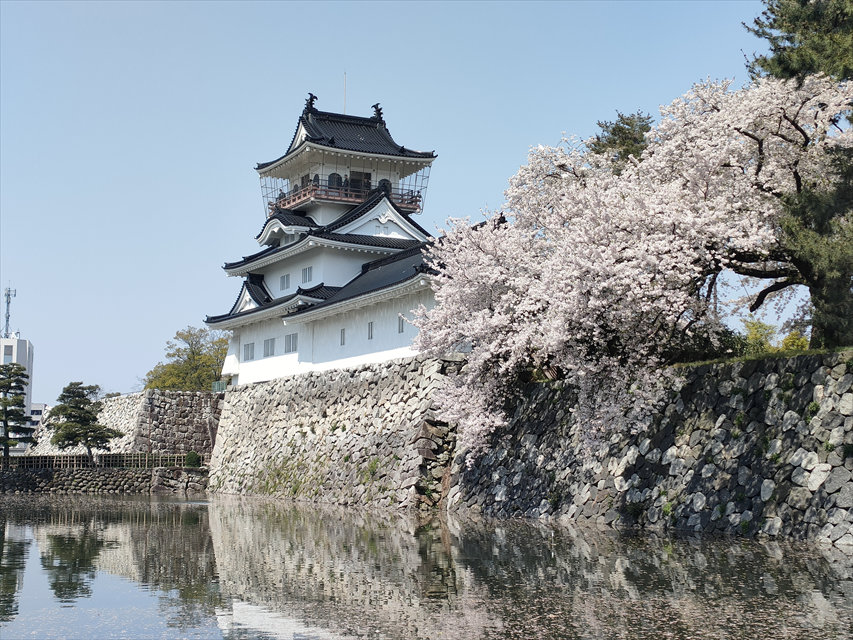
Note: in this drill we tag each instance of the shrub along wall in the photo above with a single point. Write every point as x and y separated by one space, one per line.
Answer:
752 447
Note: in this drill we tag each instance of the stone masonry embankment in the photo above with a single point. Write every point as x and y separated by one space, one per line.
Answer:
62 481
364 436
153 421
757 447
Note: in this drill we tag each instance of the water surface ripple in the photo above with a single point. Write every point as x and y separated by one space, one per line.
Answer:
84 567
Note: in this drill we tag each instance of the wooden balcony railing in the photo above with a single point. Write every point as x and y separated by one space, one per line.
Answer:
407 199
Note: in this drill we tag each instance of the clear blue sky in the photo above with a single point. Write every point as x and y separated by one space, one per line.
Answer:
129 132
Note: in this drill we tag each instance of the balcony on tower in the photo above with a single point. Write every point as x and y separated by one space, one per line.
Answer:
338 158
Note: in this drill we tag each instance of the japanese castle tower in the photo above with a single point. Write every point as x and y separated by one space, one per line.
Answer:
341 264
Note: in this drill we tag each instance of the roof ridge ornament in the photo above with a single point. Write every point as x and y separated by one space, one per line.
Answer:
377 112
309 103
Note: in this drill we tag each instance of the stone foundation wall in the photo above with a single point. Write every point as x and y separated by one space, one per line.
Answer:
158 480
364 436
171 421
760 447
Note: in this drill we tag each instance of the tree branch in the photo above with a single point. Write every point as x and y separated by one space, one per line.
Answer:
776 286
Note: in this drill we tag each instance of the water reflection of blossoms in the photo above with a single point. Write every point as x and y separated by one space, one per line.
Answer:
357 575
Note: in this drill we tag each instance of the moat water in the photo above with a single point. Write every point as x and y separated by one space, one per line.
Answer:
81 567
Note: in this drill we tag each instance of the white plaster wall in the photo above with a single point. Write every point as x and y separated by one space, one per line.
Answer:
319 342
262 368
327 332
333 267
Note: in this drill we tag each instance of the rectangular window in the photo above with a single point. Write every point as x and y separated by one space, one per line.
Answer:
7 354
343 337
248 351
401 324
307 274
269 347
290 345
370 330
284 282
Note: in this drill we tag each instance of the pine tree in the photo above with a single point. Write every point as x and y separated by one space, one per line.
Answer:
807 37
75 420
622 138
13 418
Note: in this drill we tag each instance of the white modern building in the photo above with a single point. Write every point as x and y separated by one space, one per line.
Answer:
341 266
20 352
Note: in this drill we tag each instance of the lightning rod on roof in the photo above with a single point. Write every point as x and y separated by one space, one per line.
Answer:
345 92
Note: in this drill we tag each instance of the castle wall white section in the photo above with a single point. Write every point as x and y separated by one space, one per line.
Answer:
319 342
386 335
332 267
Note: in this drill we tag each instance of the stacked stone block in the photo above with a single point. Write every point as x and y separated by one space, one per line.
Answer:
153 421
759 447
365 436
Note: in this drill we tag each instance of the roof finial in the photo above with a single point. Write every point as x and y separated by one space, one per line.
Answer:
309 103
377 112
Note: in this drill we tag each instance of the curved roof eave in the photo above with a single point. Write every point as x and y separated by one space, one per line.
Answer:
412 156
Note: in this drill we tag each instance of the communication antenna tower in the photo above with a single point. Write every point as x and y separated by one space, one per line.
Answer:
8 294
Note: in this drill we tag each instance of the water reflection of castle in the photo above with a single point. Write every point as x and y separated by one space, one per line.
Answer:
282 571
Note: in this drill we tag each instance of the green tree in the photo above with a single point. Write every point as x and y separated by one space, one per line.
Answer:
794 341
195 359
75 420
622 138
805 36
13 418
759 337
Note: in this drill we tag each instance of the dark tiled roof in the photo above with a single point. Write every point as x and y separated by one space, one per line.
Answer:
327 232
377 275
257 289
251 258
319 292
288 218
351 133
369 241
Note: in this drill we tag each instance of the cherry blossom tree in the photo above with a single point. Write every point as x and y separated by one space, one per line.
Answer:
598 277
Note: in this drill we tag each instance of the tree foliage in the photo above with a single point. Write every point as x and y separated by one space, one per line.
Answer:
14 427
195 359
805 37
603 276
74 420
623 138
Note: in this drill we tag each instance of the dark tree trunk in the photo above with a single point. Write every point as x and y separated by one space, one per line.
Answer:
832 319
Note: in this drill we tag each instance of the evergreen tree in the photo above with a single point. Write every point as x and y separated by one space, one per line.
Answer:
13 419
74 420
622 138
805 36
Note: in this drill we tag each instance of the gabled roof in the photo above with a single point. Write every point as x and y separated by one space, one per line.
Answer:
256 288
373 199
328 233
350 133
376 276
288 218
311 295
